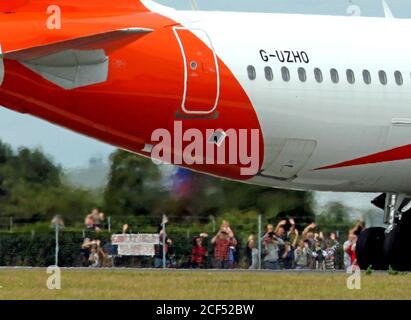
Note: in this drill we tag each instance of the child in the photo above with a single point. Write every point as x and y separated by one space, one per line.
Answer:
94 258
319 255
198 253
329 252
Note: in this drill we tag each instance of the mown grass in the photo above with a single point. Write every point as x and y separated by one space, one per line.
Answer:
171 285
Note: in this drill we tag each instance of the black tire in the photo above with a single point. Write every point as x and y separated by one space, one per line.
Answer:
370 249
396 247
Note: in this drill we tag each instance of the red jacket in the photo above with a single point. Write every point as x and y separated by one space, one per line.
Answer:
352 254
198 254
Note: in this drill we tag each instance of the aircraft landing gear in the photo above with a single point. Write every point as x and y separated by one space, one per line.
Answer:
383 248
370 249
397 245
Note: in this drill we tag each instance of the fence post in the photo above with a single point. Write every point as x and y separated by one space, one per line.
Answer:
109 223
212 218
259 241
11 224
57 226
57 222
164 241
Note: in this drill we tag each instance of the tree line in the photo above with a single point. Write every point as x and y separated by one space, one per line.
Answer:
33 187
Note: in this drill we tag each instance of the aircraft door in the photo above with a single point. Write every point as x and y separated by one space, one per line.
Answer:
1 68
201 72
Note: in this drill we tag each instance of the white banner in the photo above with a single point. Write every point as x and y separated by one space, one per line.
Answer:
143 249
135 244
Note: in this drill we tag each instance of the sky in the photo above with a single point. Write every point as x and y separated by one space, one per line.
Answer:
72 150
400 8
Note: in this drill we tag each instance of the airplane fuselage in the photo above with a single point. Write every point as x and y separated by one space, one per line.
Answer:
330 97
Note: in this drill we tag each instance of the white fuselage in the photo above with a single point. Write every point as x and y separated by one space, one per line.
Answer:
309 125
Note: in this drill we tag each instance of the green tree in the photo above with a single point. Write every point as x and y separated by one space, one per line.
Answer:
34 167
335 217
138 187
32 188
214 196
134 186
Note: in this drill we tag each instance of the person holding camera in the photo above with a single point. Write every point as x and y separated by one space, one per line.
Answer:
272 248
222 243
302 255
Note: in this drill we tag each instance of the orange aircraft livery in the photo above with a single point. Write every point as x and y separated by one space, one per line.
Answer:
116 71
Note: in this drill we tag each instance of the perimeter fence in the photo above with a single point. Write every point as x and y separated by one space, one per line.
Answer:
252 242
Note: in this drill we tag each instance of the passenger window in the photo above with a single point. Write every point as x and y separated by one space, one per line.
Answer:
269 73
398 78
302 75
350 76
252 74
367 76
318 75
334 76
285 74
383 77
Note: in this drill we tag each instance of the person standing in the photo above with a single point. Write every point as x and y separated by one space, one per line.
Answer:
222 243
95 214
351 252
89 223
198 253
302 254
347 256
288 255
249 250
329 253
272 257
255 256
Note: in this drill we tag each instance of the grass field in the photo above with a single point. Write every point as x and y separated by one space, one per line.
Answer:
137 284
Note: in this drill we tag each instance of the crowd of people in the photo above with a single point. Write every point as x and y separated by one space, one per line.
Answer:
282 247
